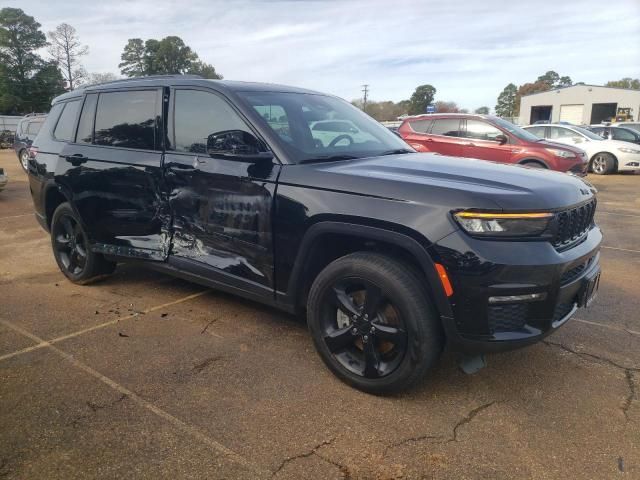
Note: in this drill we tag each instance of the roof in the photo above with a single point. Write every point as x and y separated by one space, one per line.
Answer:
183 80
582 85
443 114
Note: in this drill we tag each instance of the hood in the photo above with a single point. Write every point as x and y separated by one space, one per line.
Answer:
436 179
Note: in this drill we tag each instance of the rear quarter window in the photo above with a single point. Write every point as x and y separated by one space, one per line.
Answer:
67 121
421 126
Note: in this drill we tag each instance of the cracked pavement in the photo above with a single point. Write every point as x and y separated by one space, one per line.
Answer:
146 376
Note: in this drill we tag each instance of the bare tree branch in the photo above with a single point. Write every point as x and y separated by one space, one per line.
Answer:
65 49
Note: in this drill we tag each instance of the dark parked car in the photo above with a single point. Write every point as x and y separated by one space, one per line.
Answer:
26 132
489 138
391 253
3 179
617 133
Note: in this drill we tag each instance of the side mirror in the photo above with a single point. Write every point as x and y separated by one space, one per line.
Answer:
501 139
237 145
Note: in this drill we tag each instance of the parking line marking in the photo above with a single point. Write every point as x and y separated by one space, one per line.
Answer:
185 427
622 249
17 216
612 327
102 325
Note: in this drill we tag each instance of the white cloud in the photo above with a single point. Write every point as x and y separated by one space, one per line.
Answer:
468 50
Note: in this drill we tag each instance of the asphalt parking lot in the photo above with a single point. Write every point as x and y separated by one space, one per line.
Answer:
146 376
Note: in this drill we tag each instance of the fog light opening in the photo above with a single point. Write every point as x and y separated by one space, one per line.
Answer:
529 297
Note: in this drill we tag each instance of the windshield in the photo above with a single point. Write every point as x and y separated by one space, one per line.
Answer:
587 133
318 127
516 131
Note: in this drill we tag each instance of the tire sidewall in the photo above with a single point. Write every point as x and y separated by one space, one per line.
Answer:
424 336
610 163
64 209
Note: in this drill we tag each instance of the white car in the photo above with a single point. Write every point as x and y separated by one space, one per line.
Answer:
605 156
338 132
632 125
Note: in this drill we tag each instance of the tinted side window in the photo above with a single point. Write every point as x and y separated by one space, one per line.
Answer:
446 126
421 126
85 126
34 128
481 131
622 134
199 114
126 119
67 121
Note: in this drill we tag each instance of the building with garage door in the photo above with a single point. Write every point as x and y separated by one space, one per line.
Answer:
580 105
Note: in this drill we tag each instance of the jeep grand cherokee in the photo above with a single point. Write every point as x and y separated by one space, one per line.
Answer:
391 253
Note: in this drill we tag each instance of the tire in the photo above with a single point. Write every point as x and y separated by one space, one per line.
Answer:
399 341
71 249
534 164
603 163
23 158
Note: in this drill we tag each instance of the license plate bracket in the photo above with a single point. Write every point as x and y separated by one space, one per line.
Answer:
589 290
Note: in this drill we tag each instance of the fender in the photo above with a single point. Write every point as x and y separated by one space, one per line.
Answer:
533 159
426 264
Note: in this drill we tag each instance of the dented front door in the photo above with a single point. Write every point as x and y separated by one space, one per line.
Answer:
221 208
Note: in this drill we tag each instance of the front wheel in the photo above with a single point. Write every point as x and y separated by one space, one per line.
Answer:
71 248
603 164
24 160
372 322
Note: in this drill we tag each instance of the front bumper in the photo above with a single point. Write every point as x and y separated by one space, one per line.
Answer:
480 269
628 161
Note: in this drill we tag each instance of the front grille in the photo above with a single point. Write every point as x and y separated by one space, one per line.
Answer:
561 311
572 224
570 275
508 318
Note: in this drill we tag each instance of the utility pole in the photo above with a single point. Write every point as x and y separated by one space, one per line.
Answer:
365 90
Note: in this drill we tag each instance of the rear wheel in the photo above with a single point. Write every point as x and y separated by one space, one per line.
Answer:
71 248
372 322
603 163
24 159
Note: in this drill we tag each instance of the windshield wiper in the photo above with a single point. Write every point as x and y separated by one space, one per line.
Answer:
397 151
328 158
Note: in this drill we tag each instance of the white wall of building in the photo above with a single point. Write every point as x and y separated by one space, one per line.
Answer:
571 98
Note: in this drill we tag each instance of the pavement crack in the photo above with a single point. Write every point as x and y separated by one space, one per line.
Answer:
96 406
468 418
592 356
632 393
209 324
311 452
198 367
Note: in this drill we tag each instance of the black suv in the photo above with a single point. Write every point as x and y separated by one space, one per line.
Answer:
26 131
391 253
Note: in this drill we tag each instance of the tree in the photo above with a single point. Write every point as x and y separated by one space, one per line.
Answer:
205 70
627 82
98 77
553 80
27 82
169 55
65 49
447 107
20 38
506 106
133 63
422 96
482 111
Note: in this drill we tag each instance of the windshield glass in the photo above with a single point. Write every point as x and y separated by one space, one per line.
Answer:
317 127
587 133
516 131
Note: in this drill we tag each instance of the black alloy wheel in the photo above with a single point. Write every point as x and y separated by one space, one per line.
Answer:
372 322
72 251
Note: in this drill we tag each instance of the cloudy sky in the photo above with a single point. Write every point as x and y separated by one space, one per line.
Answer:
468 49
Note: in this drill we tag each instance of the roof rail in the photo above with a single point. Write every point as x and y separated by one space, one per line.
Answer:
147 77
33 114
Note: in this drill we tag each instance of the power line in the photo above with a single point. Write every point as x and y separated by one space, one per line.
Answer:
365 90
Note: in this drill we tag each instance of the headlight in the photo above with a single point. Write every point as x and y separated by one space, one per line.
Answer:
560 153
503 224
629 150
